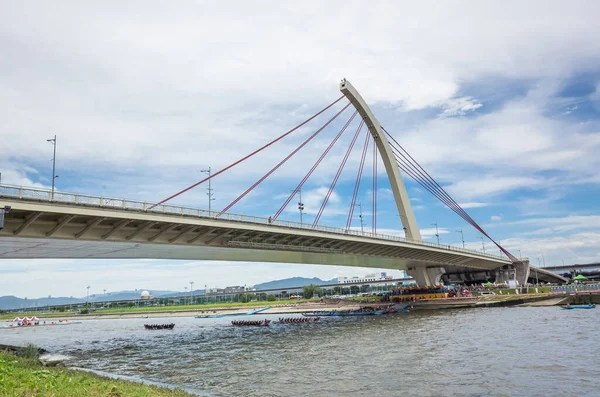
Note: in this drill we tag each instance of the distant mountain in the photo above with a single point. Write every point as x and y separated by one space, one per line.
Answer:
13 302
294 282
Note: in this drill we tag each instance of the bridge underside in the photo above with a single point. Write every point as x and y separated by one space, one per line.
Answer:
52 230
35 230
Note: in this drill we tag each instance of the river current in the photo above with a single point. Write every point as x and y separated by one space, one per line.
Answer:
477 352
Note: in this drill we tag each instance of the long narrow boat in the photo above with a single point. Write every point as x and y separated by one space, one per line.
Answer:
588 306
262 309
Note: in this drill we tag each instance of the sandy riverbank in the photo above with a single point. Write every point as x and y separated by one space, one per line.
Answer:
192 313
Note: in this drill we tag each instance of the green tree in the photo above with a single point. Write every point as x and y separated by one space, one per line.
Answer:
354 289
271 298
245 298
310 291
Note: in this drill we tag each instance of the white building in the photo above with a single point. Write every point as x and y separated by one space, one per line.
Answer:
368 278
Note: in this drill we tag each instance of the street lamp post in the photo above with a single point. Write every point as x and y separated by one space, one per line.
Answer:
482 244
360 216
536 273
462 236
191 291
87 297
520 255
209 190
437 233
54 176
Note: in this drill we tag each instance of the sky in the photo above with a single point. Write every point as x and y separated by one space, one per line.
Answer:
498 101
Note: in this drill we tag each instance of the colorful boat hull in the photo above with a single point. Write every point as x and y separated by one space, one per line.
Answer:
589 306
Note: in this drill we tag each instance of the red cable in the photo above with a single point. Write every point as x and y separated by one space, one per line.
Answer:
247 157
283 161
374 186
337 175
358 178
445 197
309 173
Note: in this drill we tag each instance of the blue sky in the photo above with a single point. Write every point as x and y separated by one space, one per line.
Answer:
500 103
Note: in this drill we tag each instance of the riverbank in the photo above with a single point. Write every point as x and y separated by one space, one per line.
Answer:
27 377
540 299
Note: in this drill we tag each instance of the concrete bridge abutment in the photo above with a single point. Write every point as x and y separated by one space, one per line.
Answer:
427 275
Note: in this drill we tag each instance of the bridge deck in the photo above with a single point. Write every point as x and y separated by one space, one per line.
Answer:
82 226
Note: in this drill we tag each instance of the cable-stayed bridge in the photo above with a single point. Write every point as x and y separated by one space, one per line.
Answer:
40 223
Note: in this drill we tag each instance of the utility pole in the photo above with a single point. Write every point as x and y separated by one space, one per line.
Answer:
54 176
191 291
543 260
360 216
300 205
462 236
437 233
209 190
87 298
482 244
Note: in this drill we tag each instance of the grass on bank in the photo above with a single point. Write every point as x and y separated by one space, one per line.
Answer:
27 377
166 309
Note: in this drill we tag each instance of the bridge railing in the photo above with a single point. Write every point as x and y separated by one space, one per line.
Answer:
40 194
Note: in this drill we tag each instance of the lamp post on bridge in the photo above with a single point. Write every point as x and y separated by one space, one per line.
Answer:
536 274
520 255
300 205
360 216
54 176
482 244
462 237
543 260
437 233
209 189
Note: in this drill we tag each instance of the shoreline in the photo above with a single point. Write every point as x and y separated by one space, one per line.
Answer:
527 300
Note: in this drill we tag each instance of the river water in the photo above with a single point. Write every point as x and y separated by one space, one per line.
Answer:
477 352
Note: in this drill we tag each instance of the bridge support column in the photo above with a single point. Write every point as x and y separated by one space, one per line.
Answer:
427 275
522 272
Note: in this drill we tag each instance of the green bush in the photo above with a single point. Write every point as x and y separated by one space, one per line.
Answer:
271 298
30 351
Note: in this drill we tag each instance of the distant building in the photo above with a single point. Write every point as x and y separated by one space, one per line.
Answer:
146 295
234 289
368 278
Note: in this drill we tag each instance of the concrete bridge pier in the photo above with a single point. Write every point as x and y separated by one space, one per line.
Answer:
427 275
514 271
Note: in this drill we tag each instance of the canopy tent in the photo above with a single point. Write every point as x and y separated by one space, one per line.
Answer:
580 277
488 284
18 319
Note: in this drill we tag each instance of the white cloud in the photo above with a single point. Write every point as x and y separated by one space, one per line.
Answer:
496 218
473 205
143 96
460 106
